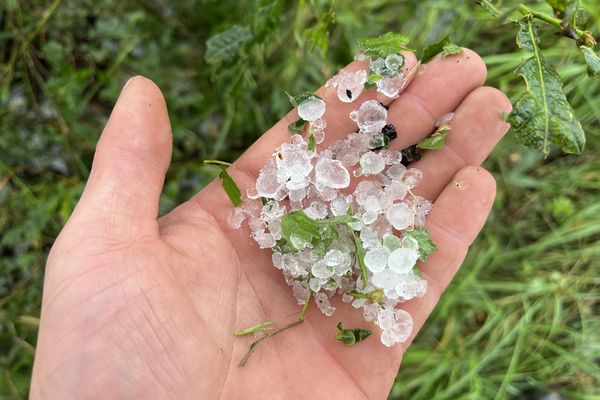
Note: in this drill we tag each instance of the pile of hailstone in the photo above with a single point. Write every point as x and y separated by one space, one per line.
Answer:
339 220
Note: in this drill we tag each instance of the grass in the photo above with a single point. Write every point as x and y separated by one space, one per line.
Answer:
521 318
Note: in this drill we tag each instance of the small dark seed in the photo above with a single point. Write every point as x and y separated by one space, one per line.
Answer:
384 106
389 131
349 93
411 154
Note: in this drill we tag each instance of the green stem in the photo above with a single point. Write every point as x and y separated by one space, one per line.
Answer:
265 337
584 36
219 163
305 308
360 252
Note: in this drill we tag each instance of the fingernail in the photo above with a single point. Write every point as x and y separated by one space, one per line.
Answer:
128 82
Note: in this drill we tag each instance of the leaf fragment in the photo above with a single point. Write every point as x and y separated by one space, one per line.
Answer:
299 99
435 141
231 188
297 126
383 45
254 329
592 60
543 115
226 45
426 245
298 229
351 336
444 47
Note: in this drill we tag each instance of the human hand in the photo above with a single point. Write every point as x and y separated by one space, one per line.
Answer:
136 306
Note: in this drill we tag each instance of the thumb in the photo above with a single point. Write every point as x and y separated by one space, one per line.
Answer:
130 163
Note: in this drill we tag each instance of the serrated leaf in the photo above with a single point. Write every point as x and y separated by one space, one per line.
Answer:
487 4
299 99
426 245
297 126
225 46
231 188
592 60
383 45
524 39
444 47
543 115
351 336
435 141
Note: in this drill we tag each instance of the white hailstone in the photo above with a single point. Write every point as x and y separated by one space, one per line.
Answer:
377 66
277 259
264 239
319 136
390 156
323 303
316 210
332 174
359 141
402 260
369 238
386 318
369 217
388 338
267 184
444 119
394 62
339 205
334 258
300 292
393 242
399 215
376 259
350 85
297 194
396 190
311 109
396 172
348 157
409 242
321 270
391 86
412 177
385 279
370 311
371 117
293 163
423 206
404 325
236 217
346 298
371 163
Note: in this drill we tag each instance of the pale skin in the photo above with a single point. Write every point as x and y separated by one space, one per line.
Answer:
137 306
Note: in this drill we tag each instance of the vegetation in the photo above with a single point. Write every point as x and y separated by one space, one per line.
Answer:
521 318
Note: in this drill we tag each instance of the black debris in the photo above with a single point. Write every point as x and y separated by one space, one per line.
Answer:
410 155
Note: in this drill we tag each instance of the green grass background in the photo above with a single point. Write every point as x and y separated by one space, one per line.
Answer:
521 319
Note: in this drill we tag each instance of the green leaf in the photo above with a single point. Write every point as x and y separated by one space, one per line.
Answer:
524 40
299 229
426 245
312 142
384 45
435 141
254 329
487 4
225 46
543 115
360 255
231 188
318 35
351 336
592 60
299 99
297 126
444 47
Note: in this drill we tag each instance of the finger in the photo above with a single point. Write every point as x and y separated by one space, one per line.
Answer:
476 129
455 221
434 92
131 159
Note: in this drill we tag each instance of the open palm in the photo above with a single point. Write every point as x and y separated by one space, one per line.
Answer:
140 307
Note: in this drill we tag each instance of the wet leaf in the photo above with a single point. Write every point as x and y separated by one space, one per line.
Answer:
435 141
225 46
299 99
351 336
487 4
426 245
231 188
384 45
297 126
592 60
444 47
543 115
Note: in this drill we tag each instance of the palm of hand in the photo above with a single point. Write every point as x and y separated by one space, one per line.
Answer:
136 307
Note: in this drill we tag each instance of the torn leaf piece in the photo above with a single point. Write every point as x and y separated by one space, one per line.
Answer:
436 141
231 188
444 47
426 245
351 336
384 45
297 126
592 60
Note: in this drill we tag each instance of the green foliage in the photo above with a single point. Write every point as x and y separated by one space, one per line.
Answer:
436 140
299 99
592 60
231 188
227 45
426 245
384 45
543 115
297 126
351 336
444 47
298 229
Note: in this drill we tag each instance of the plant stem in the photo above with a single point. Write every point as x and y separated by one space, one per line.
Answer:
265 337
360 253
305 308
219 163
584 36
